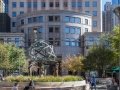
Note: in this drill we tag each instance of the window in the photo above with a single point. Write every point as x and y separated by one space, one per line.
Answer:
86 29
72 30
67 30
87 12
94 4
78 30
22 30
40 39
34 19
73 4
29 4
50 18
57 4
29 31
94 13
13 14
29 42
72 42
40 30
51 42
86 21
13 24
51 4
67 42
14 5
57 18
35 4
78 20
86 4
94 23
21 12
77 42
22 22
57 29
106 43
42 4
79 4
72 19
91 41
21 4
67 18
65 4
9 40
97 40
50 38
41 19
17 41
50 29
29 20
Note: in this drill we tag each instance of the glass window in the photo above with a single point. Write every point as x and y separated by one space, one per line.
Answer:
67 30
51 4
50 29
17 41
86 29
94 23
41 19
87 4
79 4
42 4
78 20
67 18
13 24
65 4
87 12
86 21
72 19
98 39
21 12
9 40
14 5
72 42
35 4
22 22
29 4
73 4
57 4
94 4
57 18
34 19
91 41
72 30
67 42
50 38
22 30
40 30
21 4
29 20
78 30
13 14
29 31
94 13
57 29
77 42
40 39
50 18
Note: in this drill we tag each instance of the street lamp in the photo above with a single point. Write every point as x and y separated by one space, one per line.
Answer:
35 31
117 12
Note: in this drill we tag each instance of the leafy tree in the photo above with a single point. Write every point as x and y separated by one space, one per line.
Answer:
100 56
72 64
16 57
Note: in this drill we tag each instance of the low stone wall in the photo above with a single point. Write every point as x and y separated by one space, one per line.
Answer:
103 80
45 85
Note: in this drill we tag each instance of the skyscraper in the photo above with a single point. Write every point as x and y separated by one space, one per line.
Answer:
115 2
6 5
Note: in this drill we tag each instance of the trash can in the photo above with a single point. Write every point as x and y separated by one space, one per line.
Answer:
112 87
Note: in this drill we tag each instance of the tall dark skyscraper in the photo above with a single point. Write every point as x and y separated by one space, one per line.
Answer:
6 5
115 1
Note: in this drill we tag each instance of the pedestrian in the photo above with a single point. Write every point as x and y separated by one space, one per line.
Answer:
93 82
1 78
15 87
30 85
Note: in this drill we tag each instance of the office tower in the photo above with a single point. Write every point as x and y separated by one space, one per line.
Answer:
2 7
6 5
115 2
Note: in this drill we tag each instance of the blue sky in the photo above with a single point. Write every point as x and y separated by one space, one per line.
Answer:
103 3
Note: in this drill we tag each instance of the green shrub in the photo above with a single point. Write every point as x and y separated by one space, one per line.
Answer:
10 79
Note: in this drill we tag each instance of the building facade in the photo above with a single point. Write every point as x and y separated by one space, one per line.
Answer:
2 6
115 2
93 7
61 28
6 6
107 18
5 23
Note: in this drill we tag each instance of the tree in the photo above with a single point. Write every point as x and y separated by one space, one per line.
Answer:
72 64
100 57
16 57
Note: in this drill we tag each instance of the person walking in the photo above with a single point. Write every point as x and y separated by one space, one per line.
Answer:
15 87
93 83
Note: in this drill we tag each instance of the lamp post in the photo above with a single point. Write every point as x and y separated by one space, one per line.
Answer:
117 12
35 31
